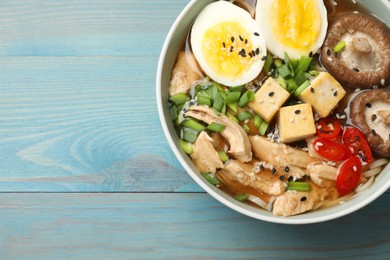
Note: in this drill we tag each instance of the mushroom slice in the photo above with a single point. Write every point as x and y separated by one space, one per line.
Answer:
244 174
282 156
365 60
204 156
369 112
293 203
240 147
184 74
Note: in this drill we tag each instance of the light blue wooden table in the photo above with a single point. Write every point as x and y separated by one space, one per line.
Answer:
85 170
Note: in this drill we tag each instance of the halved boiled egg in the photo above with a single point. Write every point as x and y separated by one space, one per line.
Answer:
297 27
226 43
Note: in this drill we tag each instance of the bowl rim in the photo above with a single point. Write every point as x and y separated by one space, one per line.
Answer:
224 198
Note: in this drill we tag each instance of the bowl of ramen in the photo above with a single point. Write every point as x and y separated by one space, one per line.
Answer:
280 109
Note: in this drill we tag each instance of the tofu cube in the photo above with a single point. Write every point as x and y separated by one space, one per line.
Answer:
296 123
323 94
268 99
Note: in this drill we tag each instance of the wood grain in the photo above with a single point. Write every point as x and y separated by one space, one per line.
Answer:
173 226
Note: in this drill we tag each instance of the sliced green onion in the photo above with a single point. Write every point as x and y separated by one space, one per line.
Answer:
300 77
178 99
236 89
233 107
223 111
223 156
218 101
194 125
257 121
187 147
303 63
215 127
281 82
244 116
339 46
268 63
302 87
298 186
289 64
173 112
189 135
278 63
263 128
246 98
232 117
241 197
284 71
246 128
291 85
204 100
233 97
210 177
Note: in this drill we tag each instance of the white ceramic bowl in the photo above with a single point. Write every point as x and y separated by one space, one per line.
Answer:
178 31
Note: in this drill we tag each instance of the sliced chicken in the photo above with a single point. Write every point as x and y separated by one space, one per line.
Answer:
322 175
243 174
240 147
204 156
184 74
281 156
293 203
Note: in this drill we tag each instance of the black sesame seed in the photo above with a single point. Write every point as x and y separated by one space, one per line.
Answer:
368 105
286 169
264 58
355 69
373 132
291 178
231 48
321 130
262 167
271 94
239 36
256 33
232 39
273 171
257 51
311 54
373 117
336 54
250 54
281 177
364 158
246 41
303 198
297 111
253 53
223 45
335 93
328 52
311 89
357 138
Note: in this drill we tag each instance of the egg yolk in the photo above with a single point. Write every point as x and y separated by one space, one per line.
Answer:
227 49
295 23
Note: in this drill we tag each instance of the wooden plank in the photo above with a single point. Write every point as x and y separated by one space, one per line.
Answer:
83 124
85 28
171 226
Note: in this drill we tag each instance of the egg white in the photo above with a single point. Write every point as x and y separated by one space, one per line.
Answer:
220 12
276 47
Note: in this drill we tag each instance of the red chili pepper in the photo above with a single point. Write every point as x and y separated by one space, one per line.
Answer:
328 127
348 175
331 150
356 141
